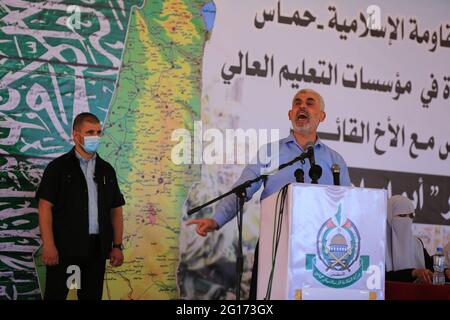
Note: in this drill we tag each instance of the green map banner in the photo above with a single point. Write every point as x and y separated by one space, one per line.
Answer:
137 66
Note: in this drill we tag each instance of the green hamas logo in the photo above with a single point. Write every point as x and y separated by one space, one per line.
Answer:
338 247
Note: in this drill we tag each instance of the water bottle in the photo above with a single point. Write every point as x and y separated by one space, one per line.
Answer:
438 266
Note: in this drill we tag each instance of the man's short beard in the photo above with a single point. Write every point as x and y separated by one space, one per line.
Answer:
306 129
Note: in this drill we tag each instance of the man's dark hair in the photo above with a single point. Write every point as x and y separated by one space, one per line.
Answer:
84 117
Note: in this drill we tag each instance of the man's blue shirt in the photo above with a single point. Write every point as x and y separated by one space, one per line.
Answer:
288 150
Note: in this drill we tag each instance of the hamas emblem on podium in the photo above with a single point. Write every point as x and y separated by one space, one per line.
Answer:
338 263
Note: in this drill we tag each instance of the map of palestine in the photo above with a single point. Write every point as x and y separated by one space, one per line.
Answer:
135 64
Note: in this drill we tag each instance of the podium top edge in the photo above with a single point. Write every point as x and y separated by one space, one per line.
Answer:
295 184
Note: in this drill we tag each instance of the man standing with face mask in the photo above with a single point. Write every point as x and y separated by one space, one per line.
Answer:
80 216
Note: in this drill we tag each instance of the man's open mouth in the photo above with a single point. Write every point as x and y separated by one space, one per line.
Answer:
302 116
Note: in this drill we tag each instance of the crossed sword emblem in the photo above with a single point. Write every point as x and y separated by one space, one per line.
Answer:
339 260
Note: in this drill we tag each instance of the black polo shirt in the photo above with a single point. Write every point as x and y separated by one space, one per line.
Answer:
65 186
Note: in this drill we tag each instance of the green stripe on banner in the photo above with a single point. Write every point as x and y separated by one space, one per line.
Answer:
332 282
309 261
365 262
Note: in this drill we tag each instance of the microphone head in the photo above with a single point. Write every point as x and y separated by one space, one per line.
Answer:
335 168
315 173
299 173
310 152
310 145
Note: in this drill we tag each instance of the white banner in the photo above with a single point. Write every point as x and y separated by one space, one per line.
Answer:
332 244
383 71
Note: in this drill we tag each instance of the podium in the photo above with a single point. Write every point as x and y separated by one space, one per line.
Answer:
328 243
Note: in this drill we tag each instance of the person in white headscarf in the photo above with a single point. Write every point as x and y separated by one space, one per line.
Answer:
447 261
406 258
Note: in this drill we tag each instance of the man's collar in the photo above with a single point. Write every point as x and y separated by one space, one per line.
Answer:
291 138
80 157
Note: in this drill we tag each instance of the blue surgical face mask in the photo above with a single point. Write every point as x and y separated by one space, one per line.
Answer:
91 144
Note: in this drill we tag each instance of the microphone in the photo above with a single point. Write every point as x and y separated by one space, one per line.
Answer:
310 151
336 172
299 175
315 173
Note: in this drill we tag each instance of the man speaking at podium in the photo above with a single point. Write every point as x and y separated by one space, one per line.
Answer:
307 112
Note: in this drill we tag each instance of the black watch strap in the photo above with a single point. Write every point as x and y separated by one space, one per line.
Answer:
118 246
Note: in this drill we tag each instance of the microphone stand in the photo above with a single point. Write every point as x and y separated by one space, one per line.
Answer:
240 192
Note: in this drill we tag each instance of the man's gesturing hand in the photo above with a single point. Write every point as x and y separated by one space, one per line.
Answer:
204 225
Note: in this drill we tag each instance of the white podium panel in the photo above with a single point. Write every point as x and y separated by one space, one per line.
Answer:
331 246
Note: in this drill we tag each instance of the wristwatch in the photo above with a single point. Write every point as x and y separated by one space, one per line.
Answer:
118 246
